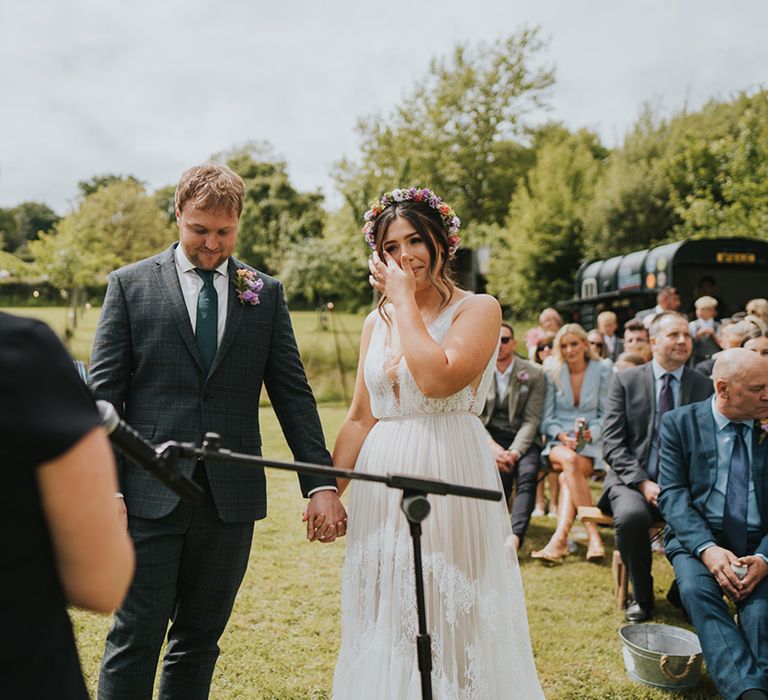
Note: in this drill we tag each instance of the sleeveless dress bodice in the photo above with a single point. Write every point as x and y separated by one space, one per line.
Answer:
401 397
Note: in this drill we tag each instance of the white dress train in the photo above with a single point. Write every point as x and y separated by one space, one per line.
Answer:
476 613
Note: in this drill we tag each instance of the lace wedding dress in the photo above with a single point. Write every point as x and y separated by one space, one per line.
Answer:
475 607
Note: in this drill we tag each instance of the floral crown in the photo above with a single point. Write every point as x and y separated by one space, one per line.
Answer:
451 222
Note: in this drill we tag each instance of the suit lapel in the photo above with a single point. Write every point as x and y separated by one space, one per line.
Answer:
168 281
235 311
649 396
513 390
760 472
707 445
686 386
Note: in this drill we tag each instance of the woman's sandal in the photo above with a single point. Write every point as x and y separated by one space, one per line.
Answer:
549 555
595 552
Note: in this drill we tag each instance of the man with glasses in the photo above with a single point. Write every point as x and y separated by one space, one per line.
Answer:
512 414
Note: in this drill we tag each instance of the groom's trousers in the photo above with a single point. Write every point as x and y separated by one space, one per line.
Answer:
189 566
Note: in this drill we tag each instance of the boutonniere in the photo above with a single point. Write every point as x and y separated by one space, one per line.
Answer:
763 431
523 376
248 285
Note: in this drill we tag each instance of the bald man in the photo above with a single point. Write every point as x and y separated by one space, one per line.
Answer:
714 499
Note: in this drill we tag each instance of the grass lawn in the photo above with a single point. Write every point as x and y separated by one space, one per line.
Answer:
283 637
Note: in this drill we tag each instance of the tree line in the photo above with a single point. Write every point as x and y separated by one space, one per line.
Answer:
541 197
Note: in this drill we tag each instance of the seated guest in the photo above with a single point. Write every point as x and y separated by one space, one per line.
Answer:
637 340
637 398
608 324
759 308
627 360
596 342
758 344
667 299
731 335
704 330
714 499
512 415
65 537
577 385
549 322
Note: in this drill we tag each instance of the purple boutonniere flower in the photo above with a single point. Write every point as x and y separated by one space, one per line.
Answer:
523 376
248 285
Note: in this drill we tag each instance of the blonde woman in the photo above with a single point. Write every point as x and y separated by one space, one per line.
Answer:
577 385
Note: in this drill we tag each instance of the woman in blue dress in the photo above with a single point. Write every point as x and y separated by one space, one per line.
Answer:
577 386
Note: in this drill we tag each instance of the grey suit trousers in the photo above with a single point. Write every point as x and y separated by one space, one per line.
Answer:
191 556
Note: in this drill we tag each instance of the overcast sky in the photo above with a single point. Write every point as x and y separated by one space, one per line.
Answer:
152 86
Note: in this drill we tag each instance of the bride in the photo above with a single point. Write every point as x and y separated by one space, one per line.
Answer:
426 356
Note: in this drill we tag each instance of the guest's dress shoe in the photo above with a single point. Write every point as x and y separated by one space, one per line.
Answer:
638 612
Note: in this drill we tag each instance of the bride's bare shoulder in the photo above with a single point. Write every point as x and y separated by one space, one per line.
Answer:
479 303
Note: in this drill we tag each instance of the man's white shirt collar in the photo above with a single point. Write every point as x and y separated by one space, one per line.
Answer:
186 266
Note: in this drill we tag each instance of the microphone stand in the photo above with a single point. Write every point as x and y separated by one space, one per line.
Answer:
414 505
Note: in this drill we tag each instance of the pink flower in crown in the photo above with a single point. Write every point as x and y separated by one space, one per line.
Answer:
523 376
248 284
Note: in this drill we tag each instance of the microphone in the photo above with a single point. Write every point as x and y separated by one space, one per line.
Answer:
143 453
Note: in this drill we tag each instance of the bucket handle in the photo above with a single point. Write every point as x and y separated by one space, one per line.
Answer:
664 662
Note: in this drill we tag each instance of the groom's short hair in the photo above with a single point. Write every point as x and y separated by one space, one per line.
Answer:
211 187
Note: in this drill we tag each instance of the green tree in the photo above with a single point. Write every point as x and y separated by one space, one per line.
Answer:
8 230
322 270
631 208
275 214
89 187
536 254
461 131
116 224
31 219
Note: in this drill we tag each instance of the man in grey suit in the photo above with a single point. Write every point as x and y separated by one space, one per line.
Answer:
512 415
185 341
637 398
714 498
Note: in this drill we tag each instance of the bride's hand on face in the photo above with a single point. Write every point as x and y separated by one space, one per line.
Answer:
397 282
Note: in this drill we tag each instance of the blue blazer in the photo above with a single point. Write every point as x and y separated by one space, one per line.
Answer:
687 473
560 413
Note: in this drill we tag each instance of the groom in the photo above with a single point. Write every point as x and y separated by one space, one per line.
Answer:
185 341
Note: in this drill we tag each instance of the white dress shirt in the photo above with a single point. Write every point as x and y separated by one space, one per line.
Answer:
192 283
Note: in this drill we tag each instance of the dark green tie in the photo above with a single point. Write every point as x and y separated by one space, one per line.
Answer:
207 325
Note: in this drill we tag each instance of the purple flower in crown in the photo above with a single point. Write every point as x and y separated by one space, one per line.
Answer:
248 284
451 222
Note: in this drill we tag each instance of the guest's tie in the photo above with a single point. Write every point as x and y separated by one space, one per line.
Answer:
666 403
207 324
736 495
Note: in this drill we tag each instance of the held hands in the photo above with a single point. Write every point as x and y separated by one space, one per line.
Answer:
325 516
505 459
650 491
718 561
395 281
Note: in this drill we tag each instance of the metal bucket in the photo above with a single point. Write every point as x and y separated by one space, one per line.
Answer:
662 656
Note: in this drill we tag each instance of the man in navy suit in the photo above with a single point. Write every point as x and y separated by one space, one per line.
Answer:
714 499
185 342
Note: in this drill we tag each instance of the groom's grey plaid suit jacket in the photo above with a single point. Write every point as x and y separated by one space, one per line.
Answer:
145 361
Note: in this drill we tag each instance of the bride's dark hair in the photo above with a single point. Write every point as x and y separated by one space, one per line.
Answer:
429 225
